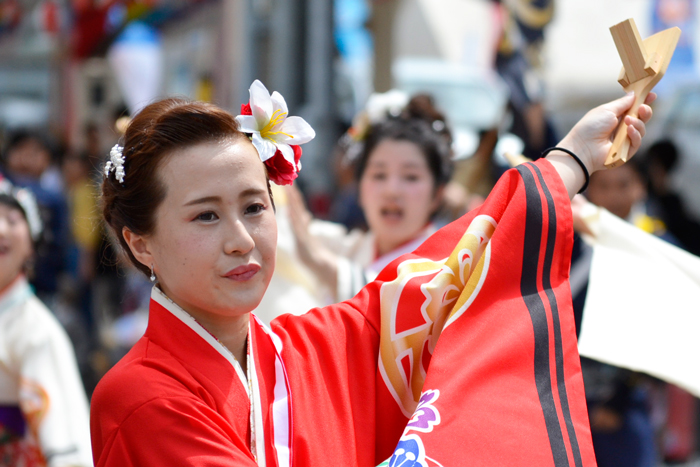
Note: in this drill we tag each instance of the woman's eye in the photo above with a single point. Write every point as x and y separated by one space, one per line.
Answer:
255 208
378 176
14 218
207 217
412 177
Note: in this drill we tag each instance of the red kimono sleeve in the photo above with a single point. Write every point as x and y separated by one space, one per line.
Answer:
467 345
503 385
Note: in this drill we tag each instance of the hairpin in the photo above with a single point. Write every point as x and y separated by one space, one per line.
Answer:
116 163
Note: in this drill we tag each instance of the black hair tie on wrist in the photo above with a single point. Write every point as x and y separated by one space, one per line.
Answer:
578 161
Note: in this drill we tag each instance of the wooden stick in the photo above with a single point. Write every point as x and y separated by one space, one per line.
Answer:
631 49
645 63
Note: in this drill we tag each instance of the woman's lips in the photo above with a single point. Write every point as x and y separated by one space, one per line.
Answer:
243 273
392 215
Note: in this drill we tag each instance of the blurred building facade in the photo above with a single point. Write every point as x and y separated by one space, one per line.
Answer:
57 70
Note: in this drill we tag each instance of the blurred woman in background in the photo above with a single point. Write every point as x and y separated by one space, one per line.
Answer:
402 170
43 408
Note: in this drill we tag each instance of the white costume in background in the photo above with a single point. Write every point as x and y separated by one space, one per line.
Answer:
44 416
357 261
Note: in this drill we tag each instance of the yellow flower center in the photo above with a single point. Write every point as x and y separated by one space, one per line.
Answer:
277 117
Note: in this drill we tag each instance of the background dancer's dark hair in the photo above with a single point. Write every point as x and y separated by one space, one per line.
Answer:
421 124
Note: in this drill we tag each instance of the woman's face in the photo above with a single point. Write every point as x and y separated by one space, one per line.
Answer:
397 193
15 244
213 247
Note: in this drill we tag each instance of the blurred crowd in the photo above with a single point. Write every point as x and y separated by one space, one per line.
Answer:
75 270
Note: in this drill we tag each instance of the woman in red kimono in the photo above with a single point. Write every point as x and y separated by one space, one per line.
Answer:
356 383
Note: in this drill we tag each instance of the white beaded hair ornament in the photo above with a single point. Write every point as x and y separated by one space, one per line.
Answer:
116 163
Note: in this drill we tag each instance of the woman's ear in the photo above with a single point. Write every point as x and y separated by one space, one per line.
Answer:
139 246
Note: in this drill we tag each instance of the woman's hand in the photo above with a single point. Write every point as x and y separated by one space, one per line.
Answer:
591 138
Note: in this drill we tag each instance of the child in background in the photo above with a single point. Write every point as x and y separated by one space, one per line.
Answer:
43 408
28 164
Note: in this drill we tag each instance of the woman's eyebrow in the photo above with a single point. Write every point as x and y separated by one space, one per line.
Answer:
217 199
252 192
205 199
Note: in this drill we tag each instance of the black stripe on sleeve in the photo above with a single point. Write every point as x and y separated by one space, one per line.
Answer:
558 351
538 315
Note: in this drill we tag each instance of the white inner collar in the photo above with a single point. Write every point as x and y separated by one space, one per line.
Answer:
159 297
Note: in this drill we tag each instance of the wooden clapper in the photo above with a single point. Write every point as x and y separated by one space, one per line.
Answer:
643 65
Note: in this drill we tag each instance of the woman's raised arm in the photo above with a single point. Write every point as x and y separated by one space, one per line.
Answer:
591 139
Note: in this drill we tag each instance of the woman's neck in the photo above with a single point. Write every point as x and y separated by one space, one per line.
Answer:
385 247
230 331
7 285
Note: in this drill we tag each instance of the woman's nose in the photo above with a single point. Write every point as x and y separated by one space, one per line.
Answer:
239 240
392 185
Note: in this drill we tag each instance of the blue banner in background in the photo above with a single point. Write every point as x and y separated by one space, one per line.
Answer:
682 69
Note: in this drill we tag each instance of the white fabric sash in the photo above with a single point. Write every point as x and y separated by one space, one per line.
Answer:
642 309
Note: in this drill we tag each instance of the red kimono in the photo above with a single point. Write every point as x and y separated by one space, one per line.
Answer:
365 380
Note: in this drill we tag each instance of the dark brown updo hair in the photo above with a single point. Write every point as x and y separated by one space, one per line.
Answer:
156 131
420 123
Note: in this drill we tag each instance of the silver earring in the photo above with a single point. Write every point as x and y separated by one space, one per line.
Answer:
153 275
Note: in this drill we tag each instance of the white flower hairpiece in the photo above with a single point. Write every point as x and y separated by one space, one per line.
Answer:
271 128
116 163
